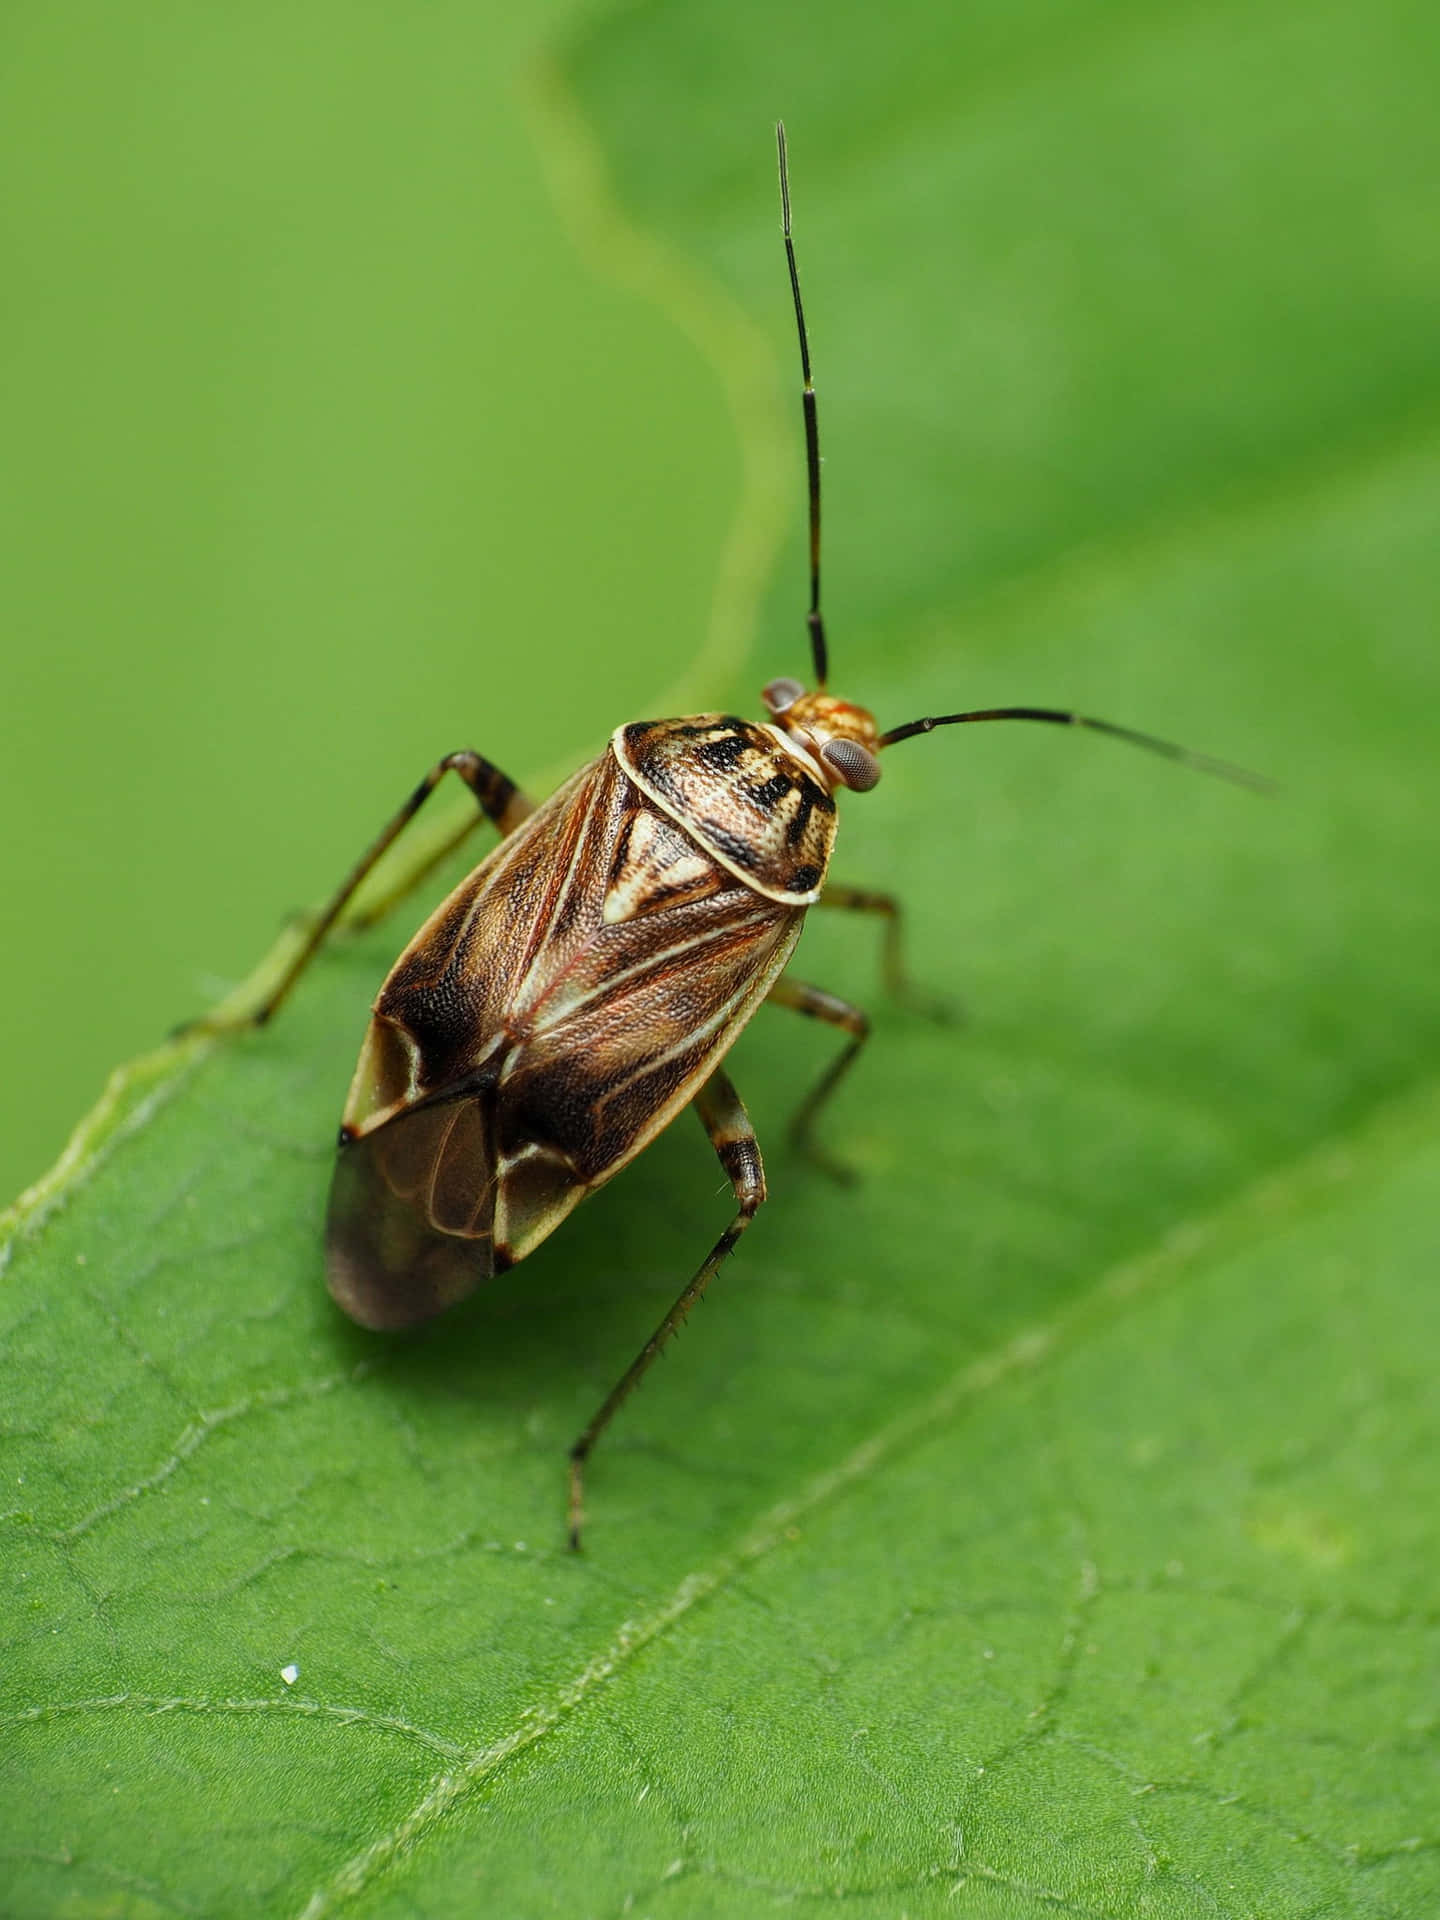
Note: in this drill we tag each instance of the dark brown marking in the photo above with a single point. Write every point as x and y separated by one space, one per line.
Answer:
733 845
811 798
741 1161
772 790
724 751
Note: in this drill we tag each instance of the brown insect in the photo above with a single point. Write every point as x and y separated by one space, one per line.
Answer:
588 978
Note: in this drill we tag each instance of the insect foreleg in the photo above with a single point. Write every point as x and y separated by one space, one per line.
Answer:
893 970
723 1116
819 1005
500 801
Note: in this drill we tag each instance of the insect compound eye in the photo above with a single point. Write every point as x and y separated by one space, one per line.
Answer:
853 765
781 695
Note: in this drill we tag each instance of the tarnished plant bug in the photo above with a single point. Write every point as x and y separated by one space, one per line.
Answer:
586 981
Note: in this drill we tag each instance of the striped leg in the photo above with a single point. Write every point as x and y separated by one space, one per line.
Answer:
820 1005
500 801
892 958
723 1116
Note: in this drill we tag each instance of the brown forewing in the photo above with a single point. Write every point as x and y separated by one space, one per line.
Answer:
543 1026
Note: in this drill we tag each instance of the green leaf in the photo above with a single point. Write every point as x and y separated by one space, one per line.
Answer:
1046 1524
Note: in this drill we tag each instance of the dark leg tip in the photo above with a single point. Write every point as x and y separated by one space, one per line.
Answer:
943 1012
578 1455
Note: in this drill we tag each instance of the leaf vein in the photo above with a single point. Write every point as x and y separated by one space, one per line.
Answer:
293 1706
201 1429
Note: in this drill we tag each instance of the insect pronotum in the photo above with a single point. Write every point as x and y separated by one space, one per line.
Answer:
586 981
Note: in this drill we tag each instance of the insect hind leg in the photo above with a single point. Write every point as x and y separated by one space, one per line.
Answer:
723 1116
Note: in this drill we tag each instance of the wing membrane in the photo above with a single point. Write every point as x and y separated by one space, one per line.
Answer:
410 1228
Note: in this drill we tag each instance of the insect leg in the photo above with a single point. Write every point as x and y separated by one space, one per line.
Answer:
500 801
723 1116
893 970
820 1005
380 909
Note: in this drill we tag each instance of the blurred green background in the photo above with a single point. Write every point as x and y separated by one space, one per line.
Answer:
324 454
326 451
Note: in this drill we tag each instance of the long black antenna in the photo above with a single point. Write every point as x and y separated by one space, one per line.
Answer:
812 429
1056 717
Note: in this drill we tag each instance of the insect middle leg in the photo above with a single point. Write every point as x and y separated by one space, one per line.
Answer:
819 1005
723 1116
893 970
501 801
